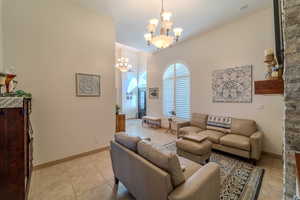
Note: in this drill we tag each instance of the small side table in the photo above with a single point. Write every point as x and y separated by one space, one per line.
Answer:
170 121
172 128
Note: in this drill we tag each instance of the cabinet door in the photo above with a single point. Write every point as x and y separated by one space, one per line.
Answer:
25 137
14 119
120 123
3 155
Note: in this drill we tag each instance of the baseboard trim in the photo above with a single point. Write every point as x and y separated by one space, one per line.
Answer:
55 162
273 155
59 161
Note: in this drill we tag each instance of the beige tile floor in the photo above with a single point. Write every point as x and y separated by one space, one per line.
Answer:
91 177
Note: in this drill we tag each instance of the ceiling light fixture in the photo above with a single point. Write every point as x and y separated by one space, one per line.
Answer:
164 39
123 63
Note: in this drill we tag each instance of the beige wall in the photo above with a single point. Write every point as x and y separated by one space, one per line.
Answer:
48 42
241 42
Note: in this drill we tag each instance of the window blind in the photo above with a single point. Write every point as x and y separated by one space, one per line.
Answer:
182 97
176 91
168 98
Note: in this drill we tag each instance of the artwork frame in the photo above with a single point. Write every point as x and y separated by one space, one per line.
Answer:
88 85
233 85
154 93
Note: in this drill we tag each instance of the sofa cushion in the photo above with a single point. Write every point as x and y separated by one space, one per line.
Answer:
199 120
128 141
243 127
192 147
189 129
213 136
166 161
236 141
219 123
190 167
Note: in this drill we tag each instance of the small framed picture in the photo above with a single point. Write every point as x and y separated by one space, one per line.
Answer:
88 85
153 93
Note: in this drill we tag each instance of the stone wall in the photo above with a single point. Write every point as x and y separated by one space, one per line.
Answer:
291 25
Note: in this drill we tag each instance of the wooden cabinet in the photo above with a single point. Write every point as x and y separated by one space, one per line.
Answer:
269 87
297 157
15 152
120 123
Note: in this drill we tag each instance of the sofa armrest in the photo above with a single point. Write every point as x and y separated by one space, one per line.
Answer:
256 141
181 125
202 185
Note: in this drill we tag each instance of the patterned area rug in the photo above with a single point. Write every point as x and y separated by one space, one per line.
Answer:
240 180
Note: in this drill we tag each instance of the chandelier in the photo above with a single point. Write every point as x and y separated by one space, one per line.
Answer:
123 63
164 39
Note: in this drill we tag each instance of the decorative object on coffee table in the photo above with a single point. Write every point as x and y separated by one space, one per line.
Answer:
88 85
153 93
232 85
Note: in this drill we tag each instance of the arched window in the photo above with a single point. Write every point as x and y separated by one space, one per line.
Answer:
176 91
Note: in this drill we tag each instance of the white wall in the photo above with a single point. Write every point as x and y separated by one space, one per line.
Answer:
48 42
239 43
138 60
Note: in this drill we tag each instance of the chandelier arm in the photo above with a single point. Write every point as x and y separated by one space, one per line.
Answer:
162 6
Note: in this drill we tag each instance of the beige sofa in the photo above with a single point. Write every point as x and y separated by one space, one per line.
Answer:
242 138
149 174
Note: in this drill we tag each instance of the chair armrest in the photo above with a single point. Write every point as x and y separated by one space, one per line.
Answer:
181 125
256 141
202 185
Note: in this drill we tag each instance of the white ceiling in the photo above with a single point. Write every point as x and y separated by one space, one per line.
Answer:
194 16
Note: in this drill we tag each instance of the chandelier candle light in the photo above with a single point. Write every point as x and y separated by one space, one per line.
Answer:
164 39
